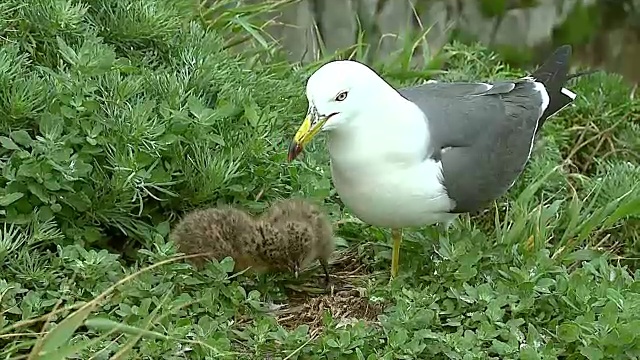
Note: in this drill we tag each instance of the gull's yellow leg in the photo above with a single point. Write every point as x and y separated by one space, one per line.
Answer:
396 236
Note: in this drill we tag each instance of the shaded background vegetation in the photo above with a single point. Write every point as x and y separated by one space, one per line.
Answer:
604 33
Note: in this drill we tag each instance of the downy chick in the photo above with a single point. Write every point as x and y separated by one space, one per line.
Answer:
306 235
221 232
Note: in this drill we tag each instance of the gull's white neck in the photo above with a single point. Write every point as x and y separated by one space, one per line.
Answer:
380 166
390 129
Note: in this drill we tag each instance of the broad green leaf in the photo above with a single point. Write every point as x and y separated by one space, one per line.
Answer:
9 199
51 126
30 169
227 264
251 114
67 52
52 184
529 353
569 332
21 137
39 191
7 143
345 338
164 228
195 106
591 352
582 255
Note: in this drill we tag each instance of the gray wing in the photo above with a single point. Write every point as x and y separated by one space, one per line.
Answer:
482 133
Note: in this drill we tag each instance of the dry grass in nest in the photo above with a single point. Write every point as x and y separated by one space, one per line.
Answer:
345 300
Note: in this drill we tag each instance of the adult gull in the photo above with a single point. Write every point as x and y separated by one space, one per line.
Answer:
421 155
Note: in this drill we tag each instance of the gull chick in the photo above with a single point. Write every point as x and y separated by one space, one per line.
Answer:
306 235
222 232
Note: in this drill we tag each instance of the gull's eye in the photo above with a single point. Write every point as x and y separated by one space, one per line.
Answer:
341 96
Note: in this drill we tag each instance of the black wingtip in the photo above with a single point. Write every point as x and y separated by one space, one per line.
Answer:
563 50
553 72
560 55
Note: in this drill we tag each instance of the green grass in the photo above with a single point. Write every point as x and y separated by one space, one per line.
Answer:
117 117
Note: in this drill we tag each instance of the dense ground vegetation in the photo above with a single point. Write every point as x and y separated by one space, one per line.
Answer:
118 116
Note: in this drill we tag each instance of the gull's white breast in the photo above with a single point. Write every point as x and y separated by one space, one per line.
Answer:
381 172
393 197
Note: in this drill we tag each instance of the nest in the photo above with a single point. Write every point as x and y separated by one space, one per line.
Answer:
346 299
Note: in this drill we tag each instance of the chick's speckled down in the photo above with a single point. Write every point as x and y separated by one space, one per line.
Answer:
289 236
308 235
222 232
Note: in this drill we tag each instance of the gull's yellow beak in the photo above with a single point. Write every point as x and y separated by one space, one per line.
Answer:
311 125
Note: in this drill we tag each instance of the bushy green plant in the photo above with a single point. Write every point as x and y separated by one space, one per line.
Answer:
118 114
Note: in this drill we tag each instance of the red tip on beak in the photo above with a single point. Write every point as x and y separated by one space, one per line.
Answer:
294 150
